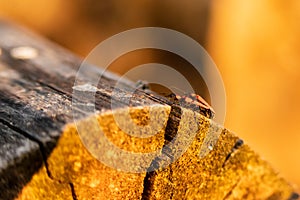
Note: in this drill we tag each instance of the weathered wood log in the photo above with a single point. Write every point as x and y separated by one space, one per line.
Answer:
44 157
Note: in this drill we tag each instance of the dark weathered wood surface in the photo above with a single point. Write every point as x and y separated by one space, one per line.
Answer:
20 158
35 98
36 104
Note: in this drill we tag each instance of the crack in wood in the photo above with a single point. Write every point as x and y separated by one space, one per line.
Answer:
53 73
170 133
236 146
74 196
294 196
30 137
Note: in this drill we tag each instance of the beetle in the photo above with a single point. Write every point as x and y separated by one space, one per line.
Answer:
194 102
190 101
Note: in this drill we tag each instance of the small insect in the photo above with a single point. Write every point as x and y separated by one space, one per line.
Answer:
191 101
194 102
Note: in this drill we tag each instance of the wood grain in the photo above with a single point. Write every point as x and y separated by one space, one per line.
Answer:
44 156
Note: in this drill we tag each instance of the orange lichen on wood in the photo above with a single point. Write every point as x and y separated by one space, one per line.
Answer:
215 175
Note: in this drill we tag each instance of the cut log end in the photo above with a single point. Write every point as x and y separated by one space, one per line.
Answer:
244 175
148 148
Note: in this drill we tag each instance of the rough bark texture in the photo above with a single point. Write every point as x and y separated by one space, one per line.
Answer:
43 154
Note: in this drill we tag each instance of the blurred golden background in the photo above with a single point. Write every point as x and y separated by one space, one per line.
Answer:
255 44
